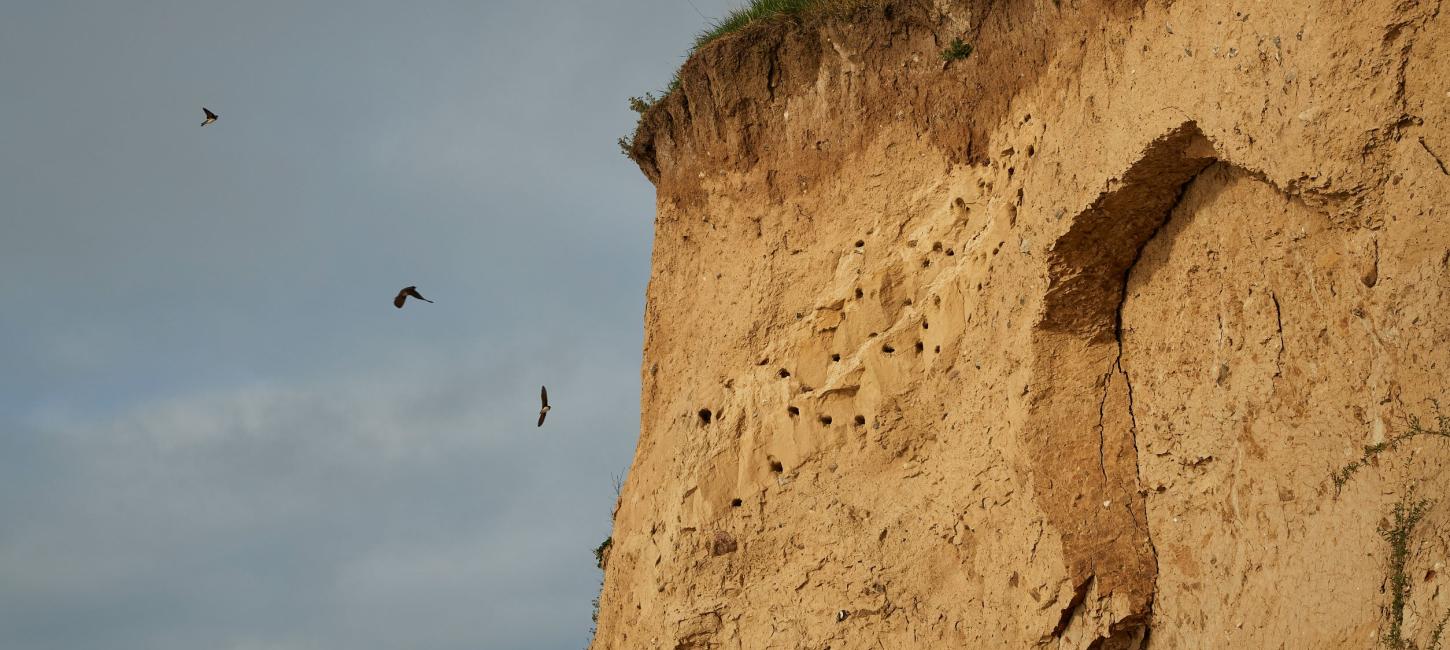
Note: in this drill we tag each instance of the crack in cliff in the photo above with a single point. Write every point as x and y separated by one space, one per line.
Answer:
1430 151
1278 323
1142 619
1079 596
1102 428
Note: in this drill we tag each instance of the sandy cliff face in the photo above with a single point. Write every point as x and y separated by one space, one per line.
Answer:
1055 346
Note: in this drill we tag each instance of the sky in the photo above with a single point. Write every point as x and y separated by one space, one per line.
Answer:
215 429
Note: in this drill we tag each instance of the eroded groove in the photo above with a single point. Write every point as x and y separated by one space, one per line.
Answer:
1090 267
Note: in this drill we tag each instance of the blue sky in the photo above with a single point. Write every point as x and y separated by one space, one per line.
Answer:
215 429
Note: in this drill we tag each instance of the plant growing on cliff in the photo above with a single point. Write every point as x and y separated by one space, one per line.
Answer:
642 104
601 552
1416 428
1407 514
958 50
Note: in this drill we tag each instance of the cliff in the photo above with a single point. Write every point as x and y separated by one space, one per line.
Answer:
1065 344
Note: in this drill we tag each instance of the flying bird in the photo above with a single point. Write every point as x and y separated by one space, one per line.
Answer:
544 410
210 116
405 294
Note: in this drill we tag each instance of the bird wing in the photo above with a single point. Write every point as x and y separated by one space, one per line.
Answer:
541 417
544 396
209 115
398 301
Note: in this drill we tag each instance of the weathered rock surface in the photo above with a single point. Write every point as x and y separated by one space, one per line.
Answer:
1055 346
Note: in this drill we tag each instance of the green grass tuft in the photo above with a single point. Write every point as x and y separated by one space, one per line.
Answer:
958 50
757 10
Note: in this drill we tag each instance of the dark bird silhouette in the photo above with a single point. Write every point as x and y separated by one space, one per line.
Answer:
405 294
543 397
210 116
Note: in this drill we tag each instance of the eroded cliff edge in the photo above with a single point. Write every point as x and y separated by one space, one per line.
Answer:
1055 346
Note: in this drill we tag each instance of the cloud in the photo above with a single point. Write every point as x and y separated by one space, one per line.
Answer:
411 501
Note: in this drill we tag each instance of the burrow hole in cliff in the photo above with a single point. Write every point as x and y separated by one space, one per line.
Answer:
835 357
793 411
1011 171
888 349
951 252
776 466
920 347
859 293
763 361
936 247
925 263
826 420
735 503
925 325
1031 151
860 420
938 349
860 243
783 373
704 416
908 302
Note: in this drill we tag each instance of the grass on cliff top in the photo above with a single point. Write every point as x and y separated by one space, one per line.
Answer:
754 12
759 10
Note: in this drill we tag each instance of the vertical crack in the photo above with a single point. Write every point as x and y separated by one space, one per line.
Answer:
1279 323
1102 428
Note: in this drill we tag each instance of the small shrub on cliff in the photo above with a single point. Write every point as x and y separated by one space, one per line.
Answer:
642 104
601 552
1415 428
957 51
1408 513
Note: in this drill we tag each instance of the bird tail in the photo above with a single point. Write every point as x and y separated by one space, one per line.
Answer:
424 299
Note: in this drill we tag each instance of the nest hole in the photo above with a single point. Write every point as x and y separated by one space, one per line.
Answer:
793 411
860 243
835 357
888 349
735 503
783 373
860 293
826 420
704 416
860 420
920 347
776 467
